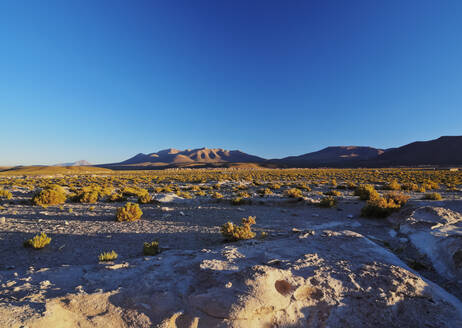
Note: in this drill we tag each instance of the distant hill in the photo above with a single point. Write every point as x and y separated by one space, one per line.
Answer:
446 150
77 163
335 155
53 170
189 157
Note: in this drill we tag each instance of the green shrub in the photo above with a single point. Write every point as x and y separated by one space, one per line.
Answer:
233 232
130 212
49 197
328 202
108 256
151 248
38 242
5 194
366 192
433 196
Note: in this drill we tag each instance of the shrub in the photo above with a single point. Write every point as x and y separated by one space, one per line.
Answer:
184 194
328 202
151 248
429 185
294 193
333 193
5 194
144 198
379 207
265 192
38 242
130 212
366 192
240 201
233 232
89 197
217 195
117 197
108 256
398 198
48 197
410 186
433 196
393 185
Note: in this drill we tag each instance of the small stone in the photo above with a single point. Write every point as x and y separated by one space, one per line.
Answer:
181 213
403 240
350 216
295 230
66 223
2 220
315 214
229 284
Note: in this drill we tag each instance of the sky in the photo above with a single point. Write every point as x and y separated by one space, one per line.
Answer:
105 80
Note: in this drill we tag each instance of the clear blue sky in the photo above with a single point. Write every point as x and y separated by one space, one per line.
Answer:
104 80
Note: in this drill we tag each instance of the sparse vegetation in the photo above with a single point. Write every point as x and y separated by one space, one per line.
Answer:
38 241
107 256
433 196
328 201
294 193
5 194
52 195
366 192
151 248
233 232
129 212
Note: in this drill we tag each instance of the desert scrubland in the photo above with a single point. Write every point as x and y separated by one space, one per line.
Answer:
231 247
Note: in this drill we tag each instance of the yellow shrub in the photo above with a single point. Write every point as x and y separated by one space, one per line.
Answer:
5 194
233 232
130 212
433 196
151 248
328 202
294 193
366 192
108 256
48 197
379 207
38 242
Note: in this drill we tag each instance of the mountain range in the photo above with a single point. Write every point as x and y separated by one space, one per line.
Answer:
444 151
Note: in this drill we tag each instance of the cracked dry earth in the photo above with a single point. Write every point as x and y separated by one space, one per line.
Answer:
317 267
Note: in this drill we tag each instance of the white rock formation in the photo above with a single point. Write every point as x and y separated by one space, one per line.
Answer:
329 279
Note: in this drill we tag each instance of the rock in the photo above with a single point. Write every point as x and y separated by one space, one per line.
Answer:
437 233
2 220
345 280
172 198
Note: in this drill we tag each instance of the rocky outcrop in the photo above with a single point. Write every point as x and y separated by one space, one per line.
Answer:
437 233
310 279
